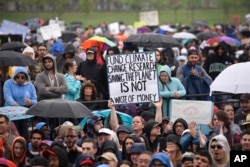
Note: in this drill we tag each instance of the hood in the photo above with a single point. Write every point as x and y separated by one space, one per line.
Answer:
60 153
23 141
40 125
165 68
147 115
83 159
89 126
109 145
163 158
182 121
22 70
115 49
29 49
53 59
137 148
223 45
149 126
69 49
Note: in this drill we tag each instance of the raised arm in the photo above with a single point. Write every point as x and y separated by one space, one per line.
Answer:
158 112
113 121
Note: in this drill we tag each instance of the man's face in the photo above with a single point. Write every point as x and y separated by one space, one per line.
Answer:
42 51
217 151
156 131
48 64
70 138
143 160
53 161
245 141
200 161
3 126
245 105
89 149
179 128
101 138
98 125
36 139
193 58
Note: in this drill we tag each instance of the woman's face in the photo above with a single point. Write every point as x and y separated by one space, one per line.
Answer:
164 77
74 67
158 56
134 158
88 91
20 78
137 124
18 149
230 111
128 144
217 122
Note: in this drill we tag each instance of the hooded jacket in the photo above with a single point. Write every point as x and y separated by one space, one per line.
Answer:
84 158
181 120
21 161
60 60
163 158
110 145
15 93
167 89
60 153
42 81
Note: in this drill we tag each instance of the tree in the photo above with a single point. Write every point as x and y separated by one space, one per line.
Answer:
87 5
226 5
175 5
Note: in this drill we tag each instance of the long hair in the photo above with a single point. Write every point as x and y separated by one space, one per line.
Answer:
94 91
222 116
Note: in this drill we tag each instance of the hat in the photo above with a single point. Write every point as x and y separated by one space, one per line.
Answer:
105 131
182 58
174 139
123 128
45 142
147 115
137 148
39 161
91 50
87 161
47 153
40 125
108 156
245 97
187 156
247 120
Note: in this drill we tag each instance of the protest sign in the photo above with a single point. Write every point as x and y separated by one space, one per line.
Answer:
61 23
51 31
191 110
114 28
132 78
151 18
32 23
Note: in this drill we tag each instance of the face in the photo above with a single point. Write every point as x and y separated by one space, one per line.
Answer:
46 131
220 51
156 131
217 151
230 111
30 54
68 56
3 126
158 57
187 164
43 148
245 141
74 67
101 138
128 144
157 163
245 105
70 138
200 161
124 165
137 124
98 125
88 91
18 149
164 77
122 136
179 128
48 64
53 161
20 78
90 56
143 160
89 149
217 122
171 147
193 58
36 139
42 51
134 158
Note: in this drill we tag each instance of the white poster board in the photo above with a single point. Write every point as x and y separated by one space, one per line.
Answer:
114 28
60 22
133 78
51 31
191 110
151 18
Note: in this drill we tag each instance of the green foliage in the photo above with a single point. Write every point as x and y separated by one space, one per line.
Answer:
87 5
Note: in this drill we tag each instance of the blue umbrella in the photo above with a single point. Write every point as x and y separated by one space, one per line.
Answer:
15 112
125 118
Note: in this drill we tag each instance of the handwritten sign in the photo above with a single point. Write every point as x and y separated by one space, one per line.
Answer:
191 110
114 28
133 78
51 31
151 18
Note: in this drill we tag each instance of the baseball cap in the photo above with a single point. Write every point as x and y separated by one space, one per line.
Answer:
124 128
108 156
105 131
45 142
87 161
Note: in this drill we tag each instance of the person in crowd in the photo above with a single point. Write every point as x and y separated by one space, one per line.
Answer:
179 126
122 131
39 161
246 124
4 76
202 158
244 144
219 150
245 57
160 159
194 78
41 52
36 137
173 148
110 145
56 47
50 84
125 163
4 162
19 148
43 126
108 158
187 159
57 157
84 160
159 59
241 113
127 144
169 87
170 60
136 150
93 125
89 147
88 93
73 81
19 91
144 159
69 53
43 146
72 149
29 51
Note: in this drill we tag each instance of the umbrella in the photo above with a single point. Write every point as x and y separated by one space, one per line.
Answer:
15 113
15 46
58 108
97 41
233 79
184 35
152 40
125 118
230 41
12 58
68 36
206 35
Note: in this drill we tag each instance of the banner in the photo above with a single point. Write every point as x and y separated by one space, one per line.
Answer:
132 77
114 28
151 18
51 31
191 110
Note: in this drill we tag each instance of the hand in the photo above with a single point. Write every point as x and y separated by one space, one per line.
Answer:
192 128
27 102
78 77
169 127
221 130
15 104
195 72
110 104
202 139
158 104
176 94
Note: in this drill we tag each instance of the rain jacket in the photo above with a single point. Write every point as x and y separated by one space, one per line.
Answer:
61 154
60 60
74 87
167 89
23 157
57 48
163 158
42 81
15 93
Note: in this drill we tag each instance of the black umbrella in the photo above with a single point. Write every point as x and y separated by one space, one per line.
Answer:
152 40
206 35
12 58
58 108
68 36
245 33
15 46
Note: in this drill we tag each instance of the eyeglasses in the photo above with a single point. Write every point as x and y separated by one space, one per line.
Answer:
70 136
216 146
20 76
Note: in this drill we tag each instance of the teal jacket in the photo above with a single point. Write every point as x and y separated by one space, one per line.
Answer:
167 89
74 87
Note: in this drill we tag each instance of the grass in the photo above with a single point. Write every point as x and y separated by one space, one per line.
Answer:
129 17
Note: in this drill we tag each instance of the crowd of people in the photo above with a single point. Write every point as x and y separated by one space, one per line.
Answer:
73 73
